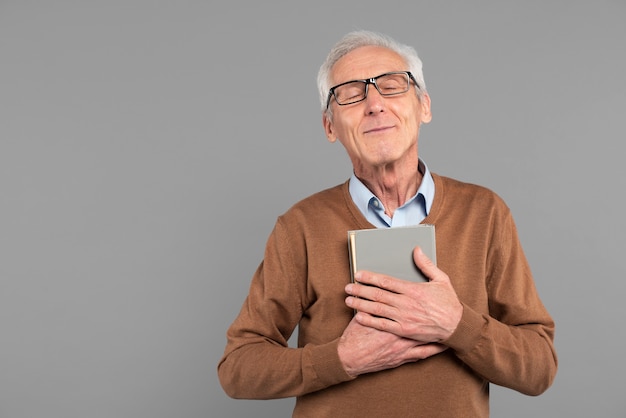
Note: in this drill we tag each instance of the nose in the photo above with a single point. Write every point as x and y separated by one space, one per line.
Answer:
374 102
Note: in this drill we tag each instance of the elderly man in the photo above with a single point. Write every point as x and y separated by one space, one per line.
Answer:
412 348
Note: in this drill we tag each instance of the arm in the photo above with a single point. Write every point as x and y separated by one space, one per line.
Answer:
257 362
512 346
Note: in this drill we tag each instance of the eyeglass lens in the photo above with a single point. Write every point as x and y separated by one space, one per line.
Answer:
386 84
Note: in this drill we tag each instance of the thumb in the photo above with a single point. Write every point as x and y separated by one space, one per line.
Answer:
426 265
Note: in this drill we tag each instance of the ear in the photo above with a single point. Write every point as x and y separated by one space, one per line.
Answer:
425 103
328 128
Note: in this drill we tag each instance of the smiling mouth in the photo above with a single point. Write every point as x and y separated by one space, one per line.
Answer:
377 129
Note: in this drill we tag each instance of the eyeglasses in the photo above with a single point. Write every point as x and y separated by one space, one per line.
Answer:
388 84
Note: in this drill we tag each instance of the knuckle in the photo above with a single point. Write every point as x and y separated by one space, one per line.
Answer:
378 310
378 294
383 282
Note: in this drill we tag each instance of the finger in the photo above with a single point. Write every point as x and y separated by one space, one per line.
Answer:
424 351
378 322
366 291
368 307
381 281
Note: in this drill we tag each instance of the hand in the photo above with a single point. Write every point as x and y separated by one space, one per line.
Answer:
425 312
364 350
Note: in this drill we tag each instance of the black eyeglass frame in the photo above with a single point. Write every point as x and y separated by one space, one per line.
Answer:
368 81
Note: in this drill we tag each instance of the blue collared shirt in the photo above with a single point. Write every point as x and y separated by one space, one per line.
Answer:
412 212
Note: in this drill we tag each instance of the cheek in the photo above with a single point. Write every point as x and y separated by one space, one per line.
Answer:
345 129
415 120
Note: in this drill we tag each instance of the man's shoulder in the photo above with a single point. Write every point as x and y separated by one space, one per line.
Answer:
330 199
466 191
317 213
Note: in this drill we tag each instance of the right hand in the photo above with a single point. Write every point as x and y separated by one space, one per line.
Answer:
364 350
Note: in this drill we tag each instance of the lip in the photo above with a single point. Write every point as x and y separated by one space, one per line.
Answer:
377 129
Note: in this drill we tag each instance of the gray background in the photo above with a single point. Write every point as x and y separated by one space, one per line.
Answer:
146 148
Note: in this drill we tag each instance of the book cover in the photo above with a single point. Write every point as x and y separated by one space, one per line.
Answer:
390 250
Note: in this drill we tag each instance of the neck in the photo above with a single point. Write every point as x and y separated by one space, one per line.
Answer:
391 184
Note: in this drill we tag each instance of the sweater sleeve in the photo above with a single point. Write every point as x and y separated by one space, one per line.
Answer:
257 362
512 346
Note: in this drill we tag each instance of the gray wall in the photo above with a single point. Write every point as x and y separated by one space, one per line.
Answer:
146 148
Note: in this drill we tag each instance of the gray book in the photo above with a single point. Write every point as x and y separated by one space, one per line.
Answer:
390 250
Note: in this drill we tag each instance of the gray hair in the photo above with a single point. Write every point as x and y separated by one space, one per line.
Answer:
357 39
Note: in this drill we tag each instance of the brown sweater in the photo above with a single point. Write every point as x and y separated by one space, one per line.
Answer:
505 335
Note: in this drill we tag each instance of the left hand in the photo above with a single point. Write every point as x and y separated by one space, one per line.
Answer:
426 312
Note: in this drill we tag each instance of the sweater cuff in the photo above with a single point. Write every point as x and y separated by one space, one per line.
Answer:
468 332
326 364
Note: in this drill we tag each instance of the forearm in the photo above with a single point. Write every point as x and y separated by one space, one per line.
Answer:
520 357
263 370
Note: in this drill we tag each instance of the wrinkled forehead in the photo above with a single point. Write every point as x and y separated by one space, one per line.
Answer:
366 62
